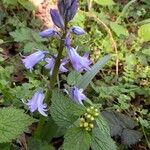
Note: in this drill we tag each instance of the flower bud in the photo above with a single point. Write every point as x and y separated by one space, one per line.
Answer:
91 125
96 114
48 33
92 118
88 116
82 119
77 30
86 124
57 19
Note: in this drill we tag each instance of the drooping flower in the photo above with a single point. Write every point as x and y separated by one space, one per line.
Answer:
31 60
57 19
77 30
48 33
77 95
79 63
67 9
36 103
51 62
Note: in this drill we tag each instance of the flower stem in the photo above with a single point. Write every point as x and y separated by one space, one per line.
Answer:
53 80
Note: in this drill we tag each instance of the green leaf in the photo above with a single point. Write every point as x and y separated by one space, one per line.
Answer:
101 141
130 137
73 77
63 110
21 35
119 29
13 122
144 32
104 2
103 125
77 139
88 76
37 144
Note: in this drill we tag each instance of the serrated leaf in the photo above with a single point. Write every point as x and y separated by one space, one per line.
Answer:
103 125
13 122
73 77
144 32
130 137
105 2
77 139
89 75
63 110
114 124
101 141
20 35
119 29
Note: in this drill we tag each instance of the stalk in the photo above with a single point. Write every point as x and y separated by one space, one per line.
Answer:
53 80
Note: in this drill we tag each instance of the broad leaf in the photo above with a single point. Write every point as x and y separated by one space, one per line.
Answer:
144 32
130 137
77 139
105 2
63 110
88 76
103 125
13 122
101 141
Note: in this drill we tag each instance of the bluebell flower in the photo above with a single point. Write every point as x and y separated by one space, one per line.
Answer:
31 60
57 19
79 63
67 9
77 95
77 30
36 103
51 62
48 33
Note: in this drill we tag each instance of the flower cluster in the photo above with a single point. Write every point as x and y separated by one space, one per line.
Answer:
66 11
87 120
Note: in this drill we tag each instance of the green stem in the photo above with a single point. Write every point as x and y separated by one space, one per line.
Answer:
53 80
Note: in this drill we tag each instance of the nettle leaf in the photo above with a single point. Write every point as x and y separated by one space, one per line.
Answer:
119 29
77 139
89 75
13 122
130 137
144 32
103 125
63 110
102 141
114 123
105 2
73 77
